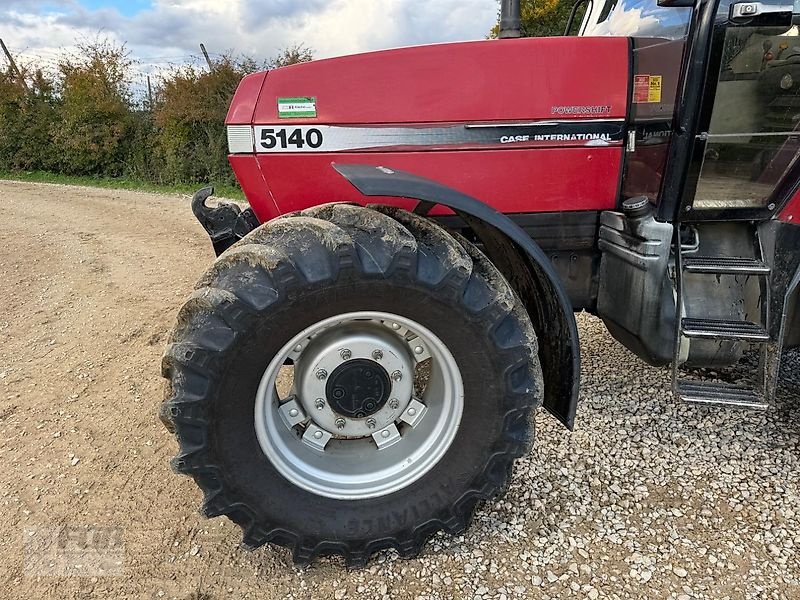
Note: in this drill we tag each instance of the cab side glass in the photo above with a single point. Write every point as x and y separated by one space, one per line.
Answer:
754 135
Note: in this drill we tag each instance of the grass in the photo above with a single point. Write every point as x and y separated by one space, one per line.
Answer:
120 183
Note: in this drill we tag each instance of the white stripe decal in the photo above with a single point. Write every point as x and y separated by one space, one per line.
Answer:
336 138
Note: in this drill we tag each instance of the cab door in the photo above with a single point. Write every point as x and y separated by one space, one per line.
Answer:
749 128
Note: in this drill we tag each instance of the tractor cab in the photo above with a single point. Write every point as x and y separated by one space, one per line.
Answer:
750 108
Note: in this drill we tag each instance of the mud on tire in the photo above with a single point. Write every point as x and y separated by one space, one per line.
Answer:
305 268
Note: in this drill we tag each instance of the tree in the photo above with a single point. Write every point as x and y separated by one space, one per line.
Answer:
190 116
95 109
291 56
541 18
27 118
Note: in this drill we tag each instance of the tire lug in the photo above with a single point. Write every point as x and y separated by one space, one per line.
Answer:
340 423
397 375
345 354
377 354
371 423
322 374
394 403
319 403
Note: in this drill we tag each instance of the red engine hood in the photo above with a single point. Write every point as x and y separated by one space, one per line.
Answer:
492 80
525 125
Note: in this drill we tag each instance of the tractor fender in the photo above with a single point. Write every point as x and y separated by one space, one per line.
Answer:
519 258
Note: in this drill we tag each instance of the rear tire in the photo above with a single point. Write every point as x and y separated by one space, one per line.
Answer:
356 268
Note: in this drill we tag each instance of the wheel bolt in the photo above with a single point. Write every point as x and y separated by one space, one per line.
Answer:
395 326
294 412
345 354
377 354
340 423
319 403
298 348
397 375
318 435
385 433
394 404
371 423
322 374
418 350
412 411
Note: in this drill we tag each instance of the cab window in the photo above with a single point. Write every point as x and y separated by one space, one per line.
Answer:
637 18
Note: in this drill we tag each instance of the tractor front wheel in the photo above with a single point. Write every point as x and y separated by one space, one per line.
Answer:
350 379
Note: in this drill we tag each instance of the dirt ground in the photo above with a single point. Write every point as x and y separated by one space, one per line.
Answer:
90 282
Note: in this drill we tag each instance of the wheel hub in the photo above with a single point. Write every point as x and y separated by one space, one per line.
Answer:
351 426
358 388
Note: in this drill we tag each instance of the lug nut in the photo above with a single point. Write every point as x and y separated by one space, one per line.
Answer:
397 375
371 423
377 354
345 354
340 423
394 404
319 403
322 374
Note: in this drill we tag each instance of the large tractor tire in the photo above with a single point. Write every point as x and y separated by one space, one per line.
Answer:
349 379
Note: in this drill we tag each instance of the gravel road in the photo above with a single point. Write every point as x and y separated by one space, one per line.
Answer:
646 499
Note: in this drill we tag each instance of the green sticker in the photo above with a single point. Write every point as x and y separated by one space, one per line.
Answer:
296 108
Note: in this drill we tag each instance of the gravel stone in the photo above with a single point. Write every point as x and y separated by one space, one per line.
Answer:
697 503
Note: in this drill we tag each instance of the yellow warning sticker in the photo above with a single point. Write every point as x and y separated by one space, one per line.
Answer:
654 89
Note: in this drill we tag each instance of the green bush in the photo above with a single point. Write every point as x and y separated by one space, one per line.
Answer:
84 121
94 112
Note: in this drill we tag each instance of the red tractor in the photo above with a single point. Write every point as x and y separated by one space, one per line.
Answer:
362 364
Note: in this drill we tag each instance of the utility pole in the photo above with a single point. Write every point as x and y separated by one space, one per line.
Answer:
149 95
13 65
208 60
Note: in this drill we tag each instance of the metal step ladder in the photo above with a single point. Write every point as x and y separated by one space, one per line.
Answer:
712 393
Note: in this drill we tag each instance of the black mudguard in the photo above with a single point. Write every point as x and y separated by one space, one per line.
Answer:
506 244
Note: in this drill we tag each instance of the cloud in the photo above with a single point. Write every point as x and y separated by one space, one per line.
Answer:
255 27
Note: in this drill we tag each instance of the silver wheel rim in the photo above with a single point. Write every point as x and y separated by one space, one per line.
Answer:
360 455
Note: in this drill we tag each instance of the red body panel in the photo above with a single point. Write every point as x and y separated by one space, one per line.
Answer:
244 104
493 80
791 213
562 178
516 82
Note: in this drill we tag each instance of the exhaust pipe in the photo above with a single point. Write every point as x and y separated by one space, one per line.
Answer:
509 19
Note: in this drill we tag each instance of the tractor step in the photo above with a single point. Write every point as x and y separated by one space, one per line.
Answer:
725 265
720 394
716 329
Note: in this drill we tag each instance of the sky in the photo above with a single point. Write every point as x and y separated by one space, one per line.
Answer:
160 32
